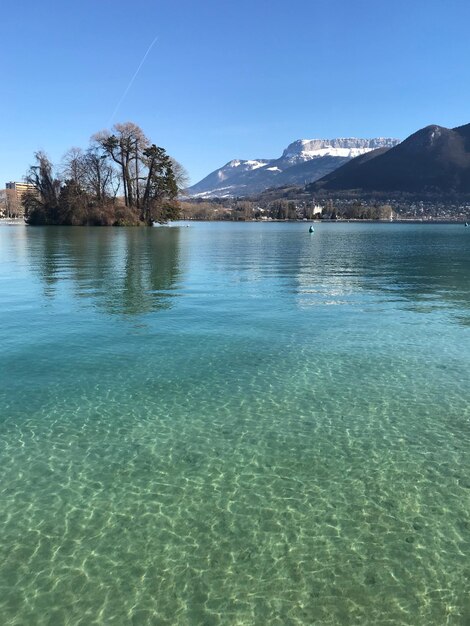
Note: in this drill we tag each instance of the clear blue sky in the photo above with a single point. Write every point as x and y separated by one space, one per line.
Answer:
228 79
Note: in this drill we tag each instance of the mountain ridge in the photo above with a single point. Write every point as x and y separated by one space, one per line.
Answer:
433 159
303 161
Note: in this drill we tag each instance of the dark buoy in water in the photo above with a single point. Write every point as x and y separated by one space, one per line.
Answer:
311 229
466 224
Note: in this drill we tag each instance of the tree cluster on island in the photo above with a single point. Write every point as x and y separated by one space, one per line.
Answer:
122 179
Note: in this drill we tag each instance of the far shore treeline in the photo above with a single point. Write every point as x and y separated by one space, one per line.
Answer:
122 179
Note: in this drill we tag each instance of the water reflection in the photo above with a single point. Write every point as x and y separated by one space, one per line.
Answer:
415 266
132 271
423 267
123 271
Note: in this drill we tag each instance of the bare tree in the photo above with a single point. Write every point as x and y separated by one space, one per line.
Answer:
125 146
73 166
100 177
181 175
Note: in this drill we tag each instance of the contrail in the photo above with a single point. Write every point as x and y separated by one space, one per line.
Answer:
131 81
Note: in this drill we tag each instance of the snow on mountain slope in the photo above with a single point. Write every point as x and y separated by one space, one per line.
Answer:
306 149
217 181
241 166
303 161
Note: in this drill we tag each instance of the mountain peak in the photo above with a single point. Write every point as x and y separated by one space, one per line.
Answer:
303 161
433 159
430 132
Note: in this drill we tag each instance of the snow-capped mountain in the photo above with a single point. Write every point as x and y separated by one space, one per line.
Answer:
303 161
306 149
240 167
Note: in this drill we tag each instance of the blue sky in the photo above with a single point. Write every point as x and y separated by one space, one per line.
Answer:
228 79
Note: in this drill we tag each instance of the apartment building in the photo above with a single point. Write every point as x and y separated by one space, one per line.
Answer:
10 198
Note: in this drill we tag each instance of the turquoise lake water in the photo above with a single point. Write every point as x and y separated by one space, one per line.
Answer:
235 424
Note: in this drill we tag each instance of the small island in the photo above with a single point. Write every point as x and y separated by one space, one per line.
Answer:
122 179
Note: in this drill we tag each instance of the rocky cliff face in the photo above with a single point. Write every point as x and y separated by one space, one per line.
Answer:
302 162
306 149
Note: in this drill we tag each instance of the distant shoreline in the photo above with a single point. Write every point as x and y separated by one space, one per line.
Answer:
20 221
404 220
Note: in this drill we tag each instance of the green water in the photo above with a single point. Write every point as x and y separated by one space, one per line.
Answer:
235 424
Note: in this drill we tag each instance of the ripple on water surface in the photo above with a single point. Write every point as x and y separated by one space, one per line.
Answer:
301 458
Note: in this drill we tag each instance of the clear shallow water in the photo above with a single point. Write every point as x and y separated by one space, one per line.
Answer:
235 424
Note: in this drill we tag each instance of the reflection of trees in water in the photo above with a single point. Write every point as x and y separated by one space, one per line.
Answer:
135 270
125 271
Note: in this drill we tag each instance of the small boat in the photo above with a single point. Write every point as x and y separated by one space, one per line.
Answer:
311 229
466 224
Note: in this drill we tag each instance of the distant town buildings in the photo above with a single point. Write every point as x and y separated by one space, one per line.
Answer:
19 188
10 198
